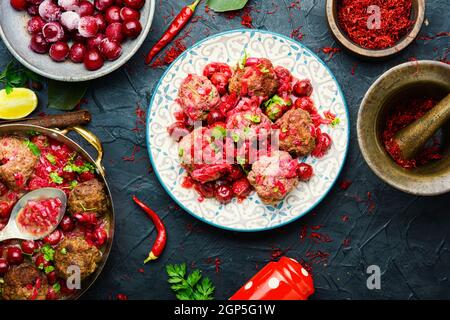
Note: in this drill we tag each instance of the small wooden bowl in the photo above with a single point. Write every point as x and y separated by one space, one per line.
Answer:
417 14
399 83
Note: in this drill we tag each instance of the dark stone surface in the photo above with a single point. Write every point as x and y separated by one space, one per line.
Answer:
406 236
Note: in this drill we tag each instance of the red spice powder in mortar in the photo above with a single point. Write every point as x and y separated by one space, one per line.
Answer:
395 18
401 116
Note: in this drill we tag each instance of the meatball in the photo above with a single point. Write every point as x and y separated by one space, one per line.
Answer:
197 96
248 124
273 176
257 78
89 195
295 133
75 251
17 161
25 282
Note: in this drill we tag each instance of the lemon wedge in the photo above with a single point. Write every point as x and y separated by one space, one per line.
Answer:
17 104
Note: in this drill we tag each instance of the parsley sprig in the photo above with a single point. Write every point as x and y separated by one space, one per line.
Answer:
189 287
16 76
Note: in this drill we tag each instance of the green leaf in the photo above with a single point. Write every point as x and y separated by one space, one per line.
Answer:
33 148
49 269
56 178
218 132
335 122
226 5
63 96
57 287
180 152
235 137
48 252
194 277
253 118
79 169
51 158
63 251
243 60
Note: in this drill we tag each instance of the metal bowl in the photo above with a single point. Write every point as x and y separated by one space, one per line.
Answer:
60 135
417 14
13 31
403 81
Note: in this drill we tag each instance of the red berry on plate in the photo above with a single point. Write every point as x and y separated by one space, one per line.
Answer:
77 52
100 236
112 14
18 4
114 32
53 238
38 43
110 49
305 103
52 277
33 10
303 88
131 28
129 14
242 187
53 31
70 20
134 4
223 193
86 8
3 266
41 262
35 25
101 22
49 11
59 51
28 246
94 42
5 209
14 255
102 5
215 116
88 26
304 171
67 224
93 60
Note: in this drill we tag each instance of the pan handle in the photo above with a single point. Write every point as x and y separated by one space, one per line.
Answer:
93 140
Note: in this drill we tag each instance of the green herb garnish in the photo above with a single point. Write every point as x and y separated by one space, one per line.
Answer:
336 121
48 253
235 137
243 60
49 269
253 118
51 158
57 287
189 287
16 76
63 251
33 148
71 167
218 132
56 178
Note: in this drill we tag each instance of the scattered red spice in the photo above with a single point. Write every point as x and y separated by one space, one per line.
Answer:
297 34
121 296
331 51
307 266
170 54
346 243
345 218
320 237
132 158
141 270
370 203
140 119
432 37
317 227
401 116
246 18
318 257
353 71
345 184
277 252
395 15
304 232
217 263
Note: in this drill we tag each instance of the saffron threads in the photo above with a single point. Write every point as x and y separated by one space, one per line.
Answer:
330 51
355 18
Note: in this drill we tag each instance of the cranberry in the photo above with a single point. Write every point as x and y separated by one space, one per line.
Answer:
76 54
3 266
235 173
177 130
131 28
70 20
53 32
59 51
305 103
35 25
88 26
28 246
220 80
52 277
53 238
101 22
69 5
38 43
5 209
94 42
223 193
67 224
86 8
14 255
134 4
304 171
110 49
112 14
77 37
206 190
215 116
41 262
118 3
102 5
129 14
33 10
86 176
18 4
93 60
114 32
242 187
51 295
303 88
49 11
100 236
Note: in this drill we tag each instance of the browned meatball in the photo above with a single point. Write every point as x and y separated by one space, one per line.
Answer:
75 251
258 78
88 196
24 282
295 133
17 161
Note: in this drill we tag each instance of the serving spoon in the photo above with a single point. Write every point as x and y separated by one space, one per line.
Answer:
12 230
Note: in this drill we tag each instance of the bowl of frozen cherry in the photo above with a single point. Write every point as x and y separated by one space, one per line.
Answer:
74 40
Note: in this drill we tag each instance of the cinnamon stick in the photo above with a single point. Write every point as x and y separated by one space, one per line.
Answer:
64 120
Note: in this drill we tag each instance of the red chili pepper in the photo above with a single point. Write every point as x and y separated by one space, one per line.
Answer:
176 26
161 238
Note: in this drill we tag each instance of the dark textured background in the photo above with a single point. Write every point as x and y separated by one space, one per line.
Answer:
406 236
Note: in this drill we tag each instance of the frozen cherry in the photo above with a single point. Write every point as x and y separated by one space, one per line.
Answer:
5 209
303 88
76 54
14 255
101 22
94 42
110 49
131 28
33 10
100 236
49 11
88 26
38 43
34 2
69 5
129 14
118 3
53 31
304 171
3 266
112 14
93 60
41 262
70 20
35 25
53 238
114 32
18 4
52 277
77 37
28 246
223 193
305 103
86 8
134 4
67 224
59 51
242 187
102 5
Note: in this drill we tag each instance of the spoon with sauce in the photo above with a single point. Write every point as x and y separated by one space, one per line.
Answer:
35 215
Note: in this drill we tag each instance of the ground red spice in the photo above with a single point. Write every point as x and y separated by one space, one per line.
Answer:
353 71
277 252
140 119
345 218
345 184
297 34
170 55
330 51
141 270
121 296
318 257
246 18
432 37
395 22
132 157
346 243
401 116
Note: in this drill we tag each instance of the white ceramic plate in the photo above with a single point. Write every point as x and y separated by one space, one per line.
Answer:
251 214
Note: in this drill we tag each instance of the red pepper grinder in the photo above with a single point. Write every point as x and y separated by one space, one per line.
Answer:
282 280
